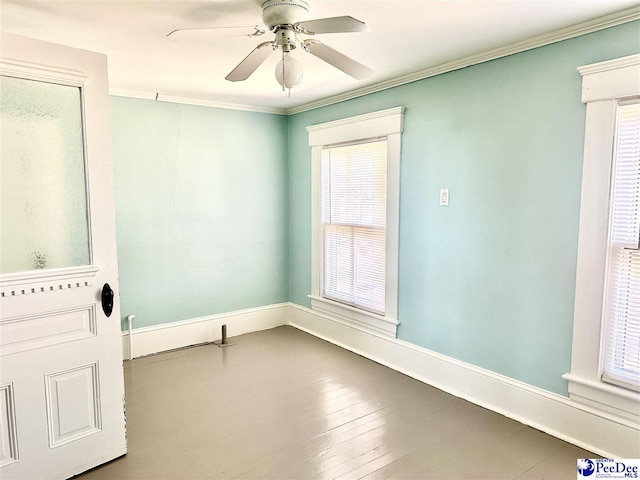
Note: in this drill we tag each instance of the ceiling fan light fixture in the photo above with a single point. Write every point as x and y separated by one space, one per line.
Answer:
288 72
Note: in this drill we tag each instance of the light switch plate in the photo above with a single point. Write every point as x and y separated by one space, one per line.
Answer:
444 197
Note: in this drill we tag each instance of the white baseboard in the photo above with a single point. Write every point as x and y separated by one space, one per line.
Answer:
599 432
589 428
169 336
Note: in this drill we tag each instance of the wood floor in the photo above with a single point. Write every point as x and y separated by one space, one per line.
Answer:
283 404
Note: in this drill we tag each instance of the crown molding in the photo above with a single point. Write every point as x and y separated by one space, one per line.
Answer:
590 26
193 101
118 92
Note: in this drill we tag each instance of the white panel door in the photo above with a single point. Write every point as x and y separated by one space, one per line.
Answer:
61 378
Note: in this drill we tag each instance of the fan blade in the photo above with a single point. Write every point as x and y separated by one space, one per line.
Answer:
333 25
337 59
247 66
185 33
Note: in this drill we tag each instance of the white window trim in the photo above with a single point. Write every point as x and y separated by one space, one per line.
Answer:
387 123
603 85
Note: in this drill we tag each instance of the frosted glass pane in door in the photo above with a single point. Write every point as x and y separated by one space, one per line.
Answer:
43 206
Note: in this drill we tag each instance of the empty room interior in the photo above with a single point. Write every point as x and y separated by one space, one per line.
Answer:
319 239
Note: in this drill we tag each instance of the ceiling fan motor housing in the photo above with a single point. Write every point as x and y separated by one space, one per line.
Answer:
285 39
284 12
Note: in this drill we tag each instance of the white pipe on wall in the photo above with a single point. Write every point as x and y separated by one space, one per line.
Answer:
130 320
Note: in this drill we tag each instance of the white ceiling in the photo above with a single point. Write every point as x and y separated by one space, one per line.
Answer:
405 37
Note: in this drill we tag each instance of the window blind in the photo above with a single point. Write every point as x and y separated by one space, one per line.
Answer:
622 310
354 211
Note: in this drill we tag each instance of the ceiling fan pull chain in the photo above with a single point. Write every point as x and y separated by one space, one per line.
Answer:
283 74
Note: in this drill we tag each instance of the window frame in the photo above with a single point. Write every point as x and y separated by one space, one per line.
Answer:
385 123
604 86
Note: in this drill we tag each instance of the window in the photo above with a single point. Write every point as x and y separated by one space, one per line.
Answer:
622 304
605 358
354 201
356 177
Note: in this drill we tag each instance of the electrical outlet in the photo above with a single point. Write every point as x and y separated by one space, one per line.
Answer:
444 197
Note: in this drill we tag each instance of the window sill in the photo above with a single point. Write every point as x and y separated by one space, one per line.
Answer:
606 397
355 317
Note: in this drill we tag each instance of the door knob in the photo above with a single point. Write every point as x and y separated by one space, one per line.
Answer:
107 299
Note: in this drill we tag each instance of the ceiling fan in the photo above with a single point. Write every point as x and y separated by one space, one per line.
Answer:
287 19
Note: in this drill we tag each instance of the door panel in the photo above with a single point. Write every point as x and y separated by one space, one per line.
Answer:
43 330
72 404
61 379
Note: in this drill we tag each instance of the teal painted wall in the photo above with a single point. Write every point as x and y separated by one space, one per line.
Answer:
213 207
490 279
201 209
